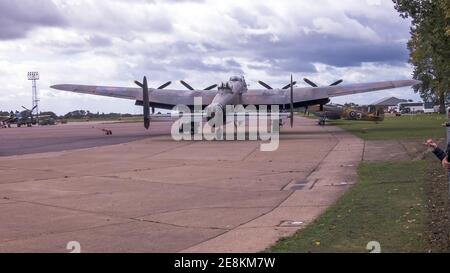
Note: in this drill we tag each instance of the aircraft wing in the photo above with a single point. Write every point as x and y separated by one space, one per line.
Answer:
310 96
336 91
115 92
164 98
167 99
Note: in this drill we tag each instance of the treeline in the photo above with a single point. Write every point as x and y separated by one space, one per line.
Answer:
79 114
429 46
82 114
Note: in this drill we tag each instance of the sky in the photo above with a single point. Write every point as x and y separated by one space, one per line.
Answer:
114 42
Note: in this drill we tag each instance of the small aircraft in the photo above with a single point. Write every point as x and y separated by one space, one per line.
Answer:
3 121
337 111
24 118
20 118
233 92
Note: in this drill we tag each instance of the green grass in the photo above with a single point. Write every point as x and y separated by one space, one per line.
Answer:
397 128
403 205
386 205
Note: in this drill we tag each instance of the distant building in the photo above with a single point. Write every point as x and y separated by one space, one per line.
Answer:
412 107
388 102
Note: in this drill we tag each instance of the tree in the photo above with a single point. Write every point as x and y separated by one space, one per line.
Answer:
50 114
429 46
78 114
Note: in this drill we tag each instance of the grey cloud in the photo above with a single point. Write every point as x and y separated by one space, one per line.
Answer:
395 29
17 18
233 64
298 53
83 45
137 1
99 41
300 50
183 1
65 47
197 64
245 18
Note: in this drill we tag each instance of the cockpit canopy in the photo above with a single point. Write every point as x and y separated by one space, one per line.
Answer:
235 79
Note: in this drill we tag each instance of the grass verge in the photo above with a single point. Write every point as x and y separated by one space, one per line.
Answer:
386 205
396 128
403 205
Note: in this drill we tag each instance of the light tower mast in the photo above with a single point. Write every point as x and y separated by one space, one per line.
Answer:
34 77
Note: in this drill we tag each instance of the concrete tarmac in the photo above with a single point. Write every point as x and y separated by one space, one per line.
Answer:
19 141
157 195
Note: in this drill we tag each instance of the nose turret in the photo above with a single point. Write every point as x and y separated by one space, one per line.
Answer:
226 87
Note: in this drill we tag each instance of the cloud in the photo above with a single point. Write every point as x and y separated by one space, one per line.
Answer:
113 42
18 18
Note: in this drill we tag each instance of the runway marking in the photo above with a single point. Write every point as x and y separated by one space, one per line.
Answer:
180 226
313 184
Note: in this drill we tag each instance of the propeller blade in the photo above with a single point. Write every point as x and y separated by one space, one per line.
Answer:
265 85
145 101
289 86
292 101
337 83
139 84
146 97
310 82
187 85
25 108
211 87
164 85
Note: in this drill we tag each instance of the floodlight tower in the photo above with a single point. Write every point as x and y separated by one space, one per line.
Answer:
34 77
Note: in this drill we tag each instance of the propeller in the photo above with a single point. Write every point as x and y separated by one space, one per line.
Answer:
265 85
289 85
146 101
270 87
211 87
292 101
30 112
29 109
164 85
315 85
159 88
188 86
337 83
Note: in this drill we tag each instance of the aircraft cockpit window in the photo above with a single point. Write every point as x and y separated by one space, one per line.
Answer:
235 79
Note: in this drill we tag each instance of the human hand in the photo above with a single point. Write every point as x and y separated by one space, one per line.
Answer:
445 163
431 143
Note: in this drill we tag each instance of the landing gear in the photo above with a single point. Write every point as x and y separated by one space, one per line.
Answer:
193 125
322 122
